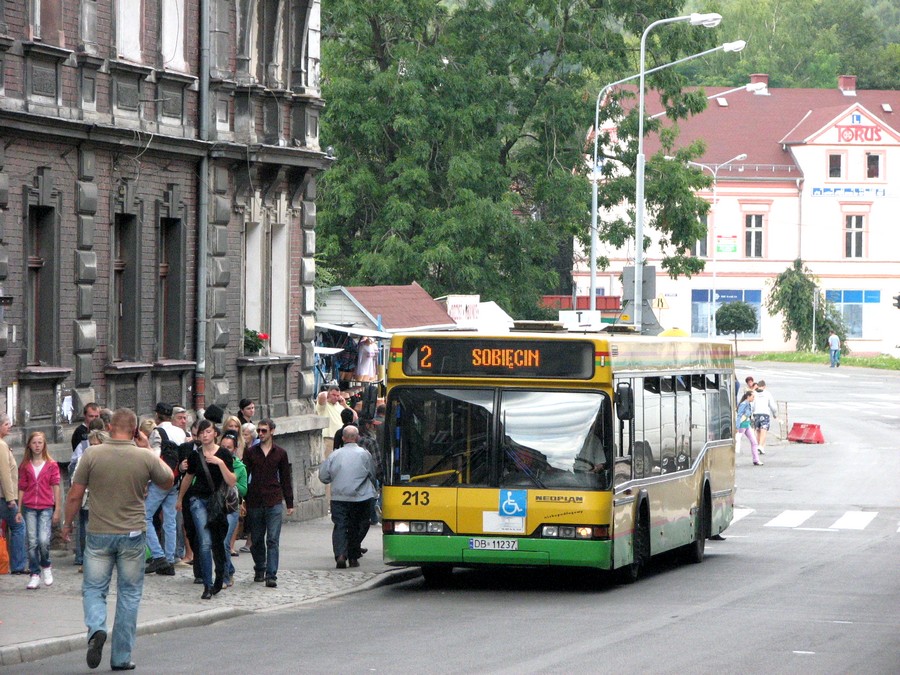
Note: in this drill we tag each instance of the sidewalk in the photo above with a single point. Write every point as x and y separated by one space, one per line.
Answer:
48 621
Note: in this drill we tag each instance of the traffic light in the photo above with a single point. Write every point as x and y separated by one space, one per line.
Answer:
897 301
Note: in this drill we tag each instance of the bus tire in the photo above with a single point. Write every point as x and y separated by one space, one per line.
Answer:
641 551
437 576
695 550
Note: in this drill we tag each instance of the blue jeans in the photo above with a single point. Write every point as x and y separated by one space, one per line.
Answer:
207 533
351 524
38 524
16 534
835 357
265 532
125 553
232 526
167 499
82 536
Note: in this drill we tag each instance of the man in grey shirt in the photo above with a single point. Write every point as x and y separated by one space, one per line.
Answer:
350 470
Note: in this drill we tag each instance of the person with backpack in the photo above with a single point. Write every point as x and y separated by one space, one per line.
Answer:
229 441
165 441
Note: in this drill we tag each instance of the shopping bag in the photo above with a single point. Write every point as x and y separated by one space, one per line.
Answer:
4 557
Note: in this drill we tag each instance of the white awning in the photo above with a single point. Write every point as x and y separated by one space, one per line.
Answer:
353 330
328 351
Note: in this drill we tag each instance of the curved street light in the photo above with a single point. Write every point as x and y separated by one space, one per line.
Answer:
595 178
708 21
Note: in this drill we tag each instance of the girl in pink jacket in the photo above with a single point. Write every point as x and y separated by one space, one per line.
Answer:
40 498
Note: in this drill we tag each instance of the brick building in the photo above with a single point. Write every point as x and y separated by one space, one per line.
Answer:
157 197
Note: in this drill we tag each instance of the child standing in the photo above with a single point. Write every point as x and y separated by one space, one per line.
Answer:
41 498
744 414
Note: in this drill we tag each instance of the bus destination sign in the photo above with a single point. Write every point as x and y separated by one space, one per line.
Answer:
503 357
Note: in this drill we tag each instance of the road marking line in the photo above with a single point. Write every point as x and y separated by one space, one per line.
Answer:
803 653
741 513
855 520
790 519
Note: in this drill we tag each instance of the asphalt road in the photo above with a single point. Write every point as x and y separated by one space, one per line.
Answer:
806 581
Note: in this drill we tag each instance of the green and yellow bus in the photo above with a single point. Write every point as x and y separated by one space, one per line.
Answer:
555 449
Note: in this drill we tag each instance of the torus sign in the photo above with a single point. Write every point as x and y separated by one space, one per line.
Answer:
857 131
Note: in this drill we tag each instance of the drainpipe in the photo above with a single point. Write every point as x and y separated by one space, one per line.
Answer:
800 218
202 213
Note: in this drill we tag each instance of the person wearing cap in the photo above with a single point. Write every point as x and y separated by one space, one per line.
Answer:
329 404
162 555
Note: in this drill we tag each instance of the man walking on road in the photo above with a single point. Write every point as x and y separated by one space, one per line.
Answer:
166 436
269 481
834 346
351 472
116 472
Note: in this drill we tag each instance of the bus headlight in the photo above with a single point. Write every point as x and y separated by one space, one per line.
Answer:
401 527
584 532
550 531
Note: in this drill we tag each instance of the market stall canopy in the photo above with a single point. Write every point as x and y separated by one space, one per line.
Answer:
350 330
328 351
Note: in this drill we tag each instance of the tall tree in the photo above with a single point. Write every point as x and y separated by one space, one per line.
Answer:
805 312
459 131
806 43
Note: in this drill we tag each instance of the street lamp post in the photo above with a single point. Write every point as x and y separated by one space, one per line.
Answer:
711 324
708 21
736 46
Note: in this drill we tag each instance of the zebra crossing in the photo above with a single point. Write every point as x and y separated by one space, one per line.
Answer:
817 521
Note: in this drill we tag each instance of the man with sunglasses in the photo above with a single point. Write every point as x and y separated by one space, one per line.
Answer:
269 482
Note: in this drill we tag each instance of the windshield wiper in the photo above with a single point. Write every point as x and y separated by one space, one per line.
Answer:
523 468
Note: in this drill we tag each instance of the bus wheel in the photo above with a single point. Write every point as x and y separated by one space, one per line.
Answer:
695 550
631 573
437 576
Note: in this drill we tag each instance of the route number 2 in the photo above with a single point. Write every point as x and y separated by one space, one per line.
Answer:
416 498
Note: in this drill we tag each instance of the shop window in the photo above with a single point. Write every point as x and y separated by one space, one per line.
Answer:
853 305
702 312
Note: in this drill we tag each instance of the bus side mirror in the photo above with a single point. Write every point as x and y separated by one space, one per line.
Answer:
624 401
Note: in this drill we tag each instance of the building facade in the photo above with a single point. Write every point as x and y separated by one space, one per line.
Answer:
158 164
820 182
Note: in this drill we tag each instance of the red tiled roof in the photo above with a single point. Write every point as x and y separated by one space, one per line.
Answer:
760 125
400 306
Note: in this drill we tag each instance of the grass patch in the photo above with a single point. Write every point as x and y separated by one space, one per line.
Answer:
881 362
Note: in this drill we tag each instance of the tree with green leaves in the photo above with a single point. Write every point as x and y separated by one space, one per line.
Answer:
803 308
806 43
735 317
459 130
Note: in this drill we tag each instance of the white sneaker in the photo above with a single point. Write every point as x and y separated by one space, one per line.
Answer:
47 575
34 582
761 450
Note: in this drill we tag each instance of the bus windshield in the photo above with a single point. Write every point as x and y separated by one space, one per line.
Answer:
508 438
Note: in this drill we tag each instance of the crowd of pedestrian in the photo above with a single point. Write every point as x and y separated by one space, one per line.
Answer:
144 499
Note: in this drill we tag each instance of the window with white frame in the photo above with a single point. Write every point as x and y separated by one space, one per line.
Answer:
753 235
129 24
854 235
700 248
873 165
267 281
836 165
172 35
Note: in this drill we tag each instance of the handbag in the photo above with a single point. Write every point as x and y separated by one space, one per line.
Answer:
223 500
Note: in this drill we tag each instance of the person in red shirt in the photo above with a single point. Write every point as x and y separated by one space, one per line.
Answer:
40 496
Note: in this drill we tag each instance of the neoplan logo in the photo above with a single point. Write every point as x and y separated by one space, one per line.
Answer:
560 499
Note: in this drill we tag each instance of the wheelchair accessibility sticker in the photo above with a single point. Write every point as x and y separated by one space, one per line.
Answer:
513 502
